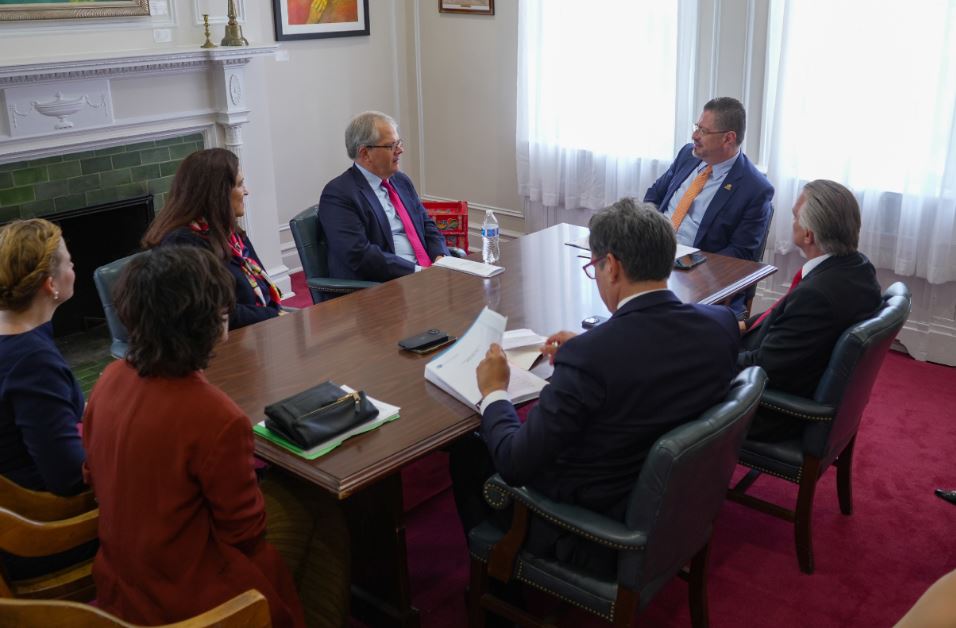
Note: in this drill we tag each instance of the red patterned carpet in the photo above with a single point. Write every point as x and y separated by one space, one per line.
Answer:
870 567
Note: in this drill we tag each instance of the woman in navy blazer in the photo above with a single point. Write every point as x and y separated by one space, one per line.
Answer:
40 399
206 198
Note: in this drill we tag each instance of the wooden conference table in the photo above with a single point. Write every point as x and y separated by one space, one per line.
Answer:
352 340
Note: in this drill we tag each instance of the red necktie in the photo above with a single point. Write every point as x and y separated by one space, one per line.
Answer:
420 254
793 284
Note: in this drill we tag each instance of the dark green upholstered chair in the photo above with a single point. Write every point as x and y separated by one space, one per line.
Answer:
314 255
752 290
104 277
667 525
831 420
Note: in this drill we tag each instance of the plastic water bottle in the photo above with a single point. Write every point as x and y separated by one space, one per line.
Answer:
489 238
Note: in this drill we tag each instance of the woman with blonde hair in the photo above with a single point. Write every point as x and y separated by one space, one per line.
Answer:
40 399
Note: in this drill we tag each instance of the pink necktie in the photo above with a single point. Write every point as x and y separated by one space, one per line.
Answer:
793 284
420 254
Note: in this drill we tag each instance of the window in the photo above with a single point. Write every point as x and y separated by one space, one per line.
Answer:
603 96
864 93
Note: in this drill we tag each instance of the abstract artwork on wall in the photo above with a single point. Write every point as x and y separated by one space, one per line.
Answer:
15 10
314 19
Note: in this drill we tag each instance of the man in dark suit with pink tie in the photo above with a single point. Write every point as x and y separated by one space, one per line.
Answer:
374 222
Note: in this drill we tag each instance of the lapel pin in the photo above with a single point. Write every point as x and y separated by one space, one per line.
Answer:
728 186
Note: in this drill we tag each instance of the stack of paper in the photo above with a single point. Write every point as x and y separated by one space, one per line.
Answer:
454 370
469 266
582 243
523 347
386 412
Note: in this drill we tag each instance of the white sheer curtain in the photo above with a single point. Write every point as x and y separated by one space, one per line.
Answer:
604 101
864 93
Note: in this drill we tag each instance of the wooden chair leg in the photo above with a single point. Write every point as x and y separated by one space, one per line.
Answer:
844 466
477 588
697 588
804 513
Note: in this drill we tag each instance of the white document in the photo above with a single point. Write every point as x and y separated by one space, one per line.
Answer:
582 243
469 266
523 347
520 338
454 370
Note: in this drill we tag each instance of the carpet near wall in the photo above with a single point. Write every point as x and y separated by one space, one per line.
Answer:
870 567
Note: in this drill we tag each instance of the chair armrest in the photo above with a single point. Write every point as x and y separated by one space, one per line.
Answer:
456 252
797 407
328 284
580 521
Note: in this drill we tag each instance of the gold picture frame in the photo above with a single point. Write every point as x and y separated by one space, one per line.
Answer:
12 11
475 7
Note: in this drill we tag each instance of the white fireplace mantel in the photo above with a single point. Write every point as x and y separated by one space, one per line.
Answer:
131 64
65 105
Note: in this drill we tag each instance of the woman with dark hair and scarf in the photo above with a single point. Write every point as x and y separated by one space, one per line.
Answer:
202 209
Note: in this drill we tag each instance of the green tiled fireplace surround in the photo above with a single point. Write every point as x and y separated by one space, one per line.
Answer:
39 187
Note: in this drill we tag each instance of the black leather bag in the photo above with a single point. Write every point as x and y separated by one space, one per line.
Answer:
318 414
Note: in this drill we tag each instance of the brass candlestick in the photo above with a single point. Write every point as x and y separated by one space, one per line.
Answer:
233 30
205 25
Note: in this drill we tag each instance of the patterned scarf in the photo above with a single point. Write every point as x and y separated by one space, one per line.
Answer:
249 265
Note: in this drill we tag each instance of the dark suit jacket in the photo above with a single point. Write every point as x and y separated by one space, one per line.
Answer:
657 363
793 344
357 230
247 310
736 219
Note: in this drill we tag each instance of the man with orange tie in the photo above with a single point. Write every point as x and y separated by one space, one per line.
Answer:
374 222
714 196
834 289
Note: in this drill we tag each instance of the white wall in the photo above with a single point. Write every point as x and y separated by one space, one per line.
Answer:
468 98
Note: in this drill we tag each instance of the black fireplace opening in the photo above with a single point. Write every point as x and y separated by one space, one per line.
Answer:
97 235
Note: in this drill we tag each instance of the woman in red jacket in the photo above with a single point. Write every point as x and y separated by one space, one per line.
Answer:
169 456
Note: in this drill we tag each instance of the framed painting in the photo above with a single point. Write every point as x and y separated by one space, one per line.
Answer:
315 19
14 10
478 7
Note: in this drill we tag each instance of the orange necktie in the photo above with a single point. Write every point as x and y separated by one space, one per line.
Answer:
685 202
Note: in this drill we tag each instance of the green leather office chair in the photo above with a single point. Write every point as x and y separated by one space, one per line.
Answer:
831 420
104 277
314 255
668 523
752 290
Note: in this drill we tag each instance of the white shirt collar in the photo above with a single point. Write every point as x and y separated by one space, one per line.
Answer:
625 300
813 263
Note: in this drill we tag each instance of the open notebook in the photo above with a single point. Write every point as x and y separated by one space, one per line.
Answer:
454 370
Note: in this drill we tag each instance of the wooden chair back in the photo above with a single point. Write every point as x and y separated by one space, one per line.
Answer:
247 610
29 538
42 506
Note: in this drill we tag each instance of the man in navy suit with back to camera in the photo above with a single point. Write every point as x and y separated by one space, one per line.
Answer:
834 289
655 364
374 222
713 195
